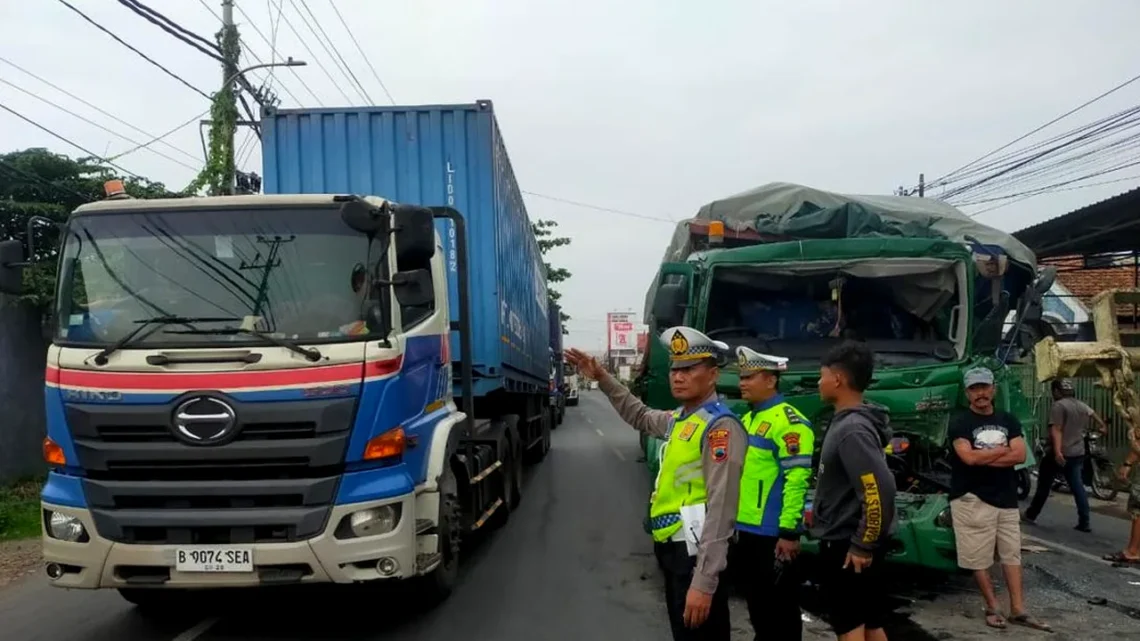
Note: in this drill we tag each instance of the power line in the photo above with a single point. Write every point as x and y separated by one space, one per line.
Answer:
1072 111
95 124
309 49
363 55
273 30
70 142
105 112
272 47
619 212
128 46
159 138
212 50
1120 123
343 65
174 25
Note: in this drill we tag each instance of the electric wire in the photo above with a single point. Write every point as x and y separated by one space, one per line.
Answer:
321 66
343 64
132 48
363 55
97 125
937 181
107 113
252 54
72 143
212 50
620 212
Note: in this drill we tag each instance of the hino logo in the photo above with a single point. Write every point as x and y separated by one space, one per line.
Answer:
204 420
92 395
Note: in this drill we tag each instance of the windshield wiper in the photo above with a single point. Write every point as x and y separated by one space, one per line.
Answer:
158 321
309 353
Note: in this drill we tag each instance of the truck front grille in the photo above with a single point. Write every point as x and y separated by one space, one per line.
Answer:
274 481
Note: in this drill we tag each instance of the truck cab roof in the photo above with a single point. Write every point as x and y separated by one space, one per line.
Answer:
119 205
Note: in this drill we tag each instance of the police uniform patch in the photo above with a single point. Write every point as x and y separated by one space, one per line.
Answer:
687 431
762 430
792 415
678 344
792 443
718 444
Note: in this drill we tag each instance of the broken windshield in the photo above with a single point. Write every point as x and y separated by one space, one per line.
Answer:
297 274
908 311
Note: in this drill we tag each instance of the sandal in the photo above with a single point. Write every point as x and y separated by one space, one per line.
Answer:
995 619
1026 621
1119 558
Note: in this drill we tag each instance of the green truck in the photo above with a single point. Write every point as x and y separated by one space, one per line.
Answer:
791 271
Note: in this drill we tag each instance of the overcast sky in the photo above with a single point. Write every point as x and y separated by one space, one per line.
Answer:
649 107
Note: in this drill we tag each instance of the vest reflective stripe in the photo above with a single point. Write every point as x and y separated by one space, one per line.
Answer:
681 479
768 467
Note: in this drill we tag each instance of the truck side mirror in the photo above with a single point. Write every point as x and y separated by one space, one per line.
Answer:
669 304
413 288
1045 280
415 234
362 217
11 267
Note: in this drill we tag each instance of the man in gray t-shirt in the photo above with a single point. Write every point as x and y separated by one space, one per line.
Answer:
1069 419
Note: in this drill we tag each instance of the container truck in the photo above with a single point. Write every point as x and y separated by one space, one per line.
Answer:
320 384
791 271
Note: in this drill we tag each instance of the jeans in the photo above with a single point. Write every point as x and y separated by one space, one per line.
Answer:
1073 471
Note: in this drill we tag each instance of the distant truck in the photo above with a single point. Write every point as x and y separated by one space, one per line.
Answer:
792 271
558 388
324 384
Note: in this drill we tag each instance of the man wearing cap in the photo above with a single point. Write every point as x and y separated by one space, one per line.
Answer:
988 443
699 479
769 521
1069 419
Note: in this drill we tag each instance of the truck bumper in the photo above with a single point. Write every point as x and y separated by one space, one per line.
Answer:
102 563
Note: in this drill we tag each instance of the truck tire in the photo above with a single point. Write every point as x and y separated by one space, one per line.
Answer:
541 446
513 466
438 584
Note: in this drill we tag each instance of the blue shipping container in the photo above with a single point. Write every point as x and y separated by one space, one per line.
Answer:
449 155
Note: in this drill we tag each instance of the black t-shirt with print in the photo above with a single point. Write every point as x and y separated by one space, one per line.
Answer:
994 485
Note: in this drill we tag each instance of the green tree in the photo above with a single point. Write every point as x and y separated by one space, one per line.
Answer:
37 182
544 232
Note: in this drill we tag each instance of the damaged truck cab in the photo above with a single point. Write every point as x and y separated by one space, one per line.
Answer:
781 281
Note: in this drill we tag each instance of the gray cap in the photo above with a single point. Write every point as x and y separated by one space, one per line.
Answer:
978 376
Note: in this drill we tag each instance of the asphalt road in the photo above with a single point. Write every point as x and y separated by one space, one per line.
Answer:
574 563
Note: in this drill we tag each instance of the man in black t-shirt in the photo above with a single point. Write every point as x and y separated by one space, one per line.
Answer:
988 443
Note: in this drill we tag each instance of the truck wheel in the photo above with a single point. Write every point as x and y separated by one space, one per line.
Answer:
438 584
513 466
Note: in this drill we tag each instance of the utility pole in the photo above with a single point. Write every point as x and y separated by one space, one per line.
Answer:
230 53
922 185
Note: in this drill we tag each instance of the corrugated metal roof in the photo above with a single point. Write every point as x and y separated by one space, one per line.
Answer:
1109 225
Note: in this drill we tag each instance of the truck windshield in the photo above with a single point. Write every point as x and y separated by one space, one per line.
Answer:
297 274
908 311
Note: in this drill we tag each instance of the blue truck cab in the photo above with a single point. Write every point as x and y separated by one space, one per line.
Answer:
298 387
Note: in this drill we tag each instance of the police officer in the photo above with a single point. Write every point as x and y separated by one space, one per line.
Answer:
701 462
772 488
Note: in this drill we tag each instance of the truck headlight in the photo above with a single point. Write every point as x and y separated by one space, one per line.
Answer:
944 519
65 527
370 522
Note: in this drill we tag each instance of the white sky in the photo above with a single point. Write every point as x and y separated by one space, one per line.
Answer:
652 107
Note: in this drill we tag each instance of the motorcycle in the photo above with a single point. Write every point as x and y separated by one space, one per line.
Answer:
1098 472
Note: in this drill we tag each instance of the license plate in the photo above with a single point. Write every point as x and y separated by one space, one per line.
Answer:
213 559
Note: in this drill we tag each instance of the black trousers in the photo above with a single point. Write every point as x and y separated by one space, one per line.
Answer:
678 567
771 590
